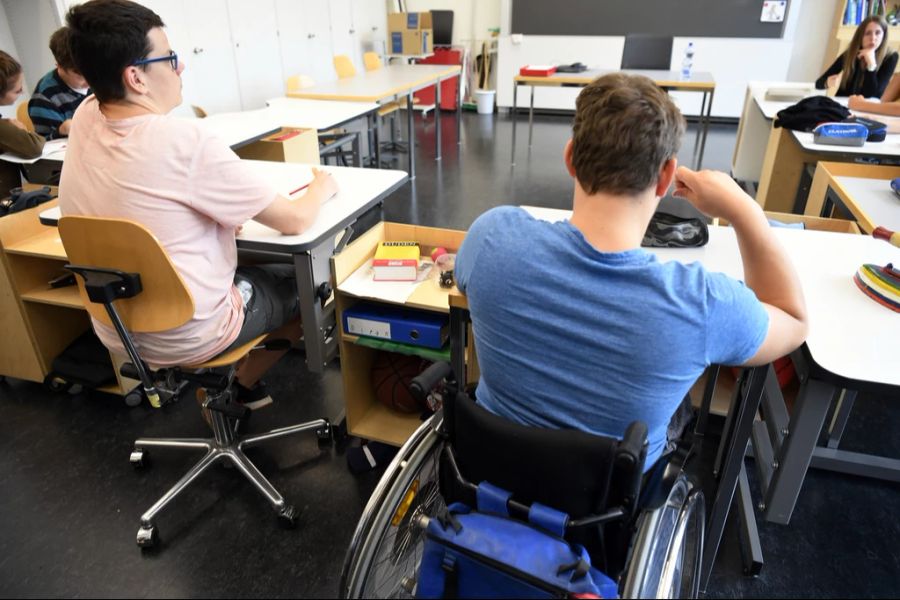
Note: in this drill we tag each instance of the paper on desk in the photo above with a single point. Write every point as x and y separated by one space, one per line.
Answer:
362 285
51 148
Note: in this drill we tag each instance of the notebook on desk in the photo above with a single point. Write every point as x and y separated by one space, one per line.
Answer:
787 94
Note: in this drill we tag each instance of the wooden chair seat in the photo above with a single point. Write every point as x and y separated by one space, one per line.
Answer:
230 357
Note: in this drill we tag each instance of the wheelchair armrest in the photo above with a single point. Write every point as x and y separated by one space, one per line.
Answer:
104 286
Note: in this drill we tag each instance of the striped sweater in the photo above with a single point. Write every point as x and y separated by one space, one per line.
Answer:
52 103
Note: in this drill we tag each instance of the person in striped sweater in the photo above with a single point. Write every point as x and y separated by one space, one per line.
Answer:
59 92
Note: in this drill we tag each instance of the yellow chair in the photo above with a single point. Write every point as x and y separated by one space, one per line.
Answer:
298 82
372 61
344 66
22 115
127 281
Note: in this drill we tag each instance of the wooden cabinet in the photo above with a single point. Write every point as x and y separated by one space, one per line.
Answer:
366 417
38 321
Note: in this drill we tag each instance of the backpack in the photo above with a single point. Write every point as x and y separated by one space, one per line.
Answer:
85 362
809 112
485 553
21 200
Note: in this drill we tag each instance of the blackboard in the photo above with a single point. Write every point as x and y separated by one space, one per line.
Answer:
680 18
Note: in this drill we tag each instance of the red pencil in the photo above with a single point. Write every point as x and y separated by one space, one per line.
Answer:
299 189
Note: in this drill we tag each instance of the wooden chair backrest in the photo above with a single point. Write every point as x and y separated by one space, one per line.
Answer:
372 61
344 66
164 303
22 115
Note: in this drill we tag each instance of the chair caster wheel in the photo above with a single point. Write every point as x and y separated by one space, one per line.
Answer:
134 398
287 517
147 537
139 458
325 435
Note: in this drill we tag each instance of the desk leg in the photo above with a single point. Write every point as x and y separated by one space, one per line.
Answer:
459 101
744 406
514 119
319 331
797 450
700 120
377 136
712 94
411 134
437 121
531 117
840 418
749 533
818 192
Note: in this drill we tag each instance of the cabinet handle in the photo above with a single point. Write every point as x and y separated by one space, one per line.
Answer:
310 36
352 31
375 28
198 50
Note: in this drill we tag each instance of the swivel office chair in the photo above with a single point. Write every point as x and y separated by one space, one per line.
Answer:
127 281
647 51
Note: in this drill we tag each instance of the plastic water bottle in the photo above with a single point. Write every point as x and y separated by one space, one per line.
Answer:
687 64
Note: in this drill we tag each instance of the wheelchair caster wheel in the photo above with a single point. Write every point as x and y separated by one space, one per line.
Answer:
147 537
325 435
139 458
287 517
56 384
134 398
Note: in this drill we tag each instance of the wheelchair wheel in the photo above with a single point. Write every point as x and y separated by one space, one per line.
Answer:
668 547
386 547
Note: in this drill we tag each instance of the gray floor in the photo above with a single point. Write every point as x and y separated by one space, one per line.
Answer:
70 501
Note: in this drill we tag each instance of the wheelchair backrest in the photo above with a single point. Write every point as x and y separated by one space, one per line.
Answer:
573 471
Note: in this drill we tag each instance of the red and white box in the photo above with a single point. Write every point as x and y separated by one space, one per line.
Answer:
537 70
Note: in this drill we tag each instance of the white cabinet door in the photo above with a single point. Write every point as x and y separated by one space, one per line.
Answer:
370 23
317 30
210 76
254 32
343 33
294 44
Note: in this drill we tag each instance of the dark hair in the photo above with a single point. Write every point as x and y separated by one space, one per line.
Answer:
59 46
625 129
9 68
106 37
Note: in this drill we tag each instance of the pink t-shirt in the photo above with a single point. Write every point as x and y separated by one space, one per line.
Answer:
188 188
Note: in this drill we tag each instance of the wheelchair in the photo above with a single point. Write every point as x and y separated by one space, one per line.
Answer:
644 531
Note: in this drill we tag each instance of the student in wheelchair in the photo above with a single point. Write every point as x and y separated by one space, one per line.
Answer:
587 347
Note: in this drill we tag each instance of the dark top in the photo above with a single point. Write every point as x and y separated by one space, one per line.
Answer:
871 84
18 141
52 103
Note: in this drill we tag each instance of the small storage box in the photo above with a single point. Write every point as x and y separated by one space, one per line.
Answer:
537 70
286 145
841 134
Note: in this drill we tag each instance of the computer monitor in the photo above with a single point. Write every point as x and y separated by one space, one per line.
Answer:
442 22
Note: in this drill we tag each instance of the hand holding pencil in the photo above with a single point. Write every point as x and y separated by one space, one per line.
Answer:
323 186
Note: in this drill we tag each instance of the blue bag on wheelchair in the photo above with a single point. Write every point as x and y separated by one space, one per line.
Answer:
485 553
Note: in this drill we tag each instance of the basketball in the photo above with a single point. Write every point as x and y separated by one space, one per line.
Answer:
391 375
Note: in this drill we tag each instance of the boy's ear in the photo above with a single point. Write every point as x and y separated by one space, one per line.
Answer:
567 157
666 176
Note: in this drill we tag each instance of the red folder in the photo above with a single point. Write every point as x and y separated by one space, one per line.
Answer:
537 71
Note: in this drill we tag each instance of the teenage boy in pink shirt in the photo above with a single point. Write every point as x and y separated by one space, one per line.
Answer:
128 159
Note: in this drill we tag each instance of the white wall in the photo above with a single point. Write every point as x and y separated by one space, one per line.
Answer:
732 61
30 25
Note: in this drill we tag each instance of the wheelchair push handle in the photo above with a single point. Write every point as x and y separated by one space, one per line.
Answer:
428 379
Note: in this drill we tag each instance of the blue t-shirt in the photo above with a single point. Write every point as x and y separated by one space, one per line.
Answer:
571 337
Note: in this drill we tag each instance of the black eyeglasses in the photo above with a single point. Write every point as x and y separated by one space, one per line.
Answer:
171 57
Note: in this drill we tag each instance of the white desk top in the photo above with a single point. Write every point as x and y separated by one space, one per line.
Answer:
372 86
701 79
316 114
238 129
359 189
770 108
850 335
875 198
890 147
53 150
